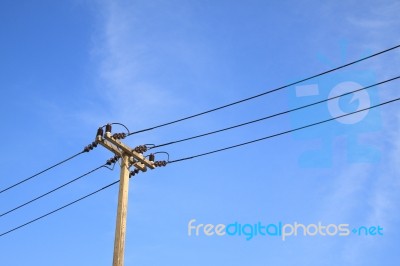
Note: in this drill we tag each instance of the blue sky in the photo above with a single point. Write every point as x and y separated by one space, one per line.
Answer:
69 67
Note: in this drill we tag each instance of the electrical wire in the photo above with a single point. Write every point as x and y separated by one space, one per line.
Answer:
274 115
281 133
127 129
149 146
53 190
266 92
41 172
191 157
58 209
159 152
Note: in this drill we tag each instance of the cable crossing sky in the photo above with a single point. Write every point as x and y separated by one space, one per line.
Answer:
200 155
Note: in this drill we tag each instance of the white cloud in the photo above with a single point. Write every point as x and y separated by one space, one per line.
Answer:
368 194
123 58
376 28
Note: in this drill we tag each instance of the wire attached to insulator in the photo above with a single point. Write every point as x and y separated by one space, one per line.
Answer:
90 146
113 160
164 152
152 157
108 128
119 136
160 163
127 129
140 149
108 167
133 173
100 132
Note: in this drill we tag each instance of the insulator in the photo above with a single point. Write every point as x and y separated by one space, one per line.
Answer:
144 148
86 149
119 135
99 132
151 157
134 172
108 162
94 144
140 149
108 128
160 163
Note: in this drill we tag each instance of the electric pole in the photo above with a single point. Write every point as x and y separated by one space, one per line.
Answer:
129 157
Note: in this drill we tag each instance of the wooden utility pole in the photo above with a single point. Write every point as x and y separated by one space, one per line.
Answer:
120 228
129 157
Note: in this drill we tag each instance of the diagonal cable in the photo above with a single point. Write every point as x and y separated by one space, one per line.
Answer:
51 191
281 133
58 209
41 172
267 92
274 115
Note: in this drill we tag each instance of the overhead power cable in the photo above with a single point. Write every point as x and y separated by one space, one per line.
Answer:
266 92
58 209
41 172
86 149
53 190
192 157
281 133
274 115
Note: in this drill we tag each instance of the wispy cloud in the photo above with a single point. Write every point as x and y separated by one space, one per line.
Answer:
368 194
376 28
123 59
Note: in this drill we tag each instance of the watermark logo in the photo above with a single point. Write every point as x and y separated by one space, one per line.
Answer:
351 127
362 97
279 230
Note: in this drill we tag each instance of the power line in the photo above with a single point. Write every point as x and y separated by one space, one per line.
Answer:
58 209
86 149
266 92
191 157
51 191
281 133
271 116
41 172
